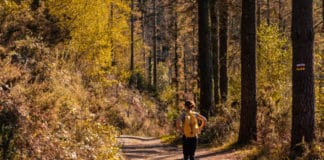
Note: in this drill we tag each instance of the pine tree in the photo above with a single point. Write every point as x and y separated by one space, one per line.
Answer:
154 47
214 47
223 38
248 130
302 33
204 58
132 37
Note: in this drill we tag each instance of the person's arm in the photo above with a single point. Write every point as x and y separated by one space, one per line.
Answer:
203 122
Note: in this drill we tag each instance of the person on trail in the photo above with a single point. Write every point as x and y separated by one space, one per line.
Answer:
187 125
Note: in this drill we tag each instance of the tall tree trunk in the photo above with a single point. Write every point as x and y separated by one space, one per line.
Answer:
204 58
323 15
268 12
176 54
259 5
149 76
223 35
185 72
281 22
143 20
111 25
248 130
302 34
154 47
132 37
214 47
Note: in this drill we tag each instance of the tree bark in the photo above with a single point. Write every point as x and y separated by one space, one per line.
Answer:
281 21
268 12
143 19
223 35
214 47
149 76
111 25
303 104
204 58
132 37
259 5
248 130
154 47
176 54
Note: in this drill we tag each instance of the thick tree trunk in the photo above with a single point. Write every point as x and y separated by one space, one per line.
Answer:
214 47
223 35
248 130
204 58
303 75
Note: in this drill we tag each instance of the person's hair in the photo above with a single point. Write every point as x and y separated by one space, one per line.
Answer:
189 104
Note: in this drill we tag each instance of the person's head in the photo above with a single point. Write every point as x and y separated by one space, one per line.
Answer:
189 105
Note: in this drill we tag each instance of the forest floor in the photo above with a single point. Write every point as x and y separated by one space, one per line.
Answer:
140 148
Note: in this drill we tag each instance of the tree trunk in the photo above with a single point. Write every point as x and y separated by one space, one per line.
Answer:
223 34
154 48
176 54
111 25
204 58
302 34
149 76
214 47
259 3
248 130
268 12
323 15
132 37
143 32
281 22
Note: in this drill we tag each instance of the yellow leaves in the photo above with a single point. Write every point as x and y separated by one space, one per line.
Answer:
274 59
97 27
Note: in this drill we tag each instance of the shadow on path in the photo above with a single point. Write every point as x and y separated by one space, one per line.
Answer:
140 148
139 138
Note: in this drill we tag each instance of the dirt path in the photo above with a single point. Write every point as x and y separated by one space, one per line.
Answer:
138 148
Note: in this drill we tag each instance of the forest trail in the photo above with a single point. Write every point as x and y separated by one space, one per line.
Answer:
150 148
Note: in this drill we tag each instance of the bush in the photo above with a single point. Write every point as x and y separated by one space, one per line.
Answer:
221 128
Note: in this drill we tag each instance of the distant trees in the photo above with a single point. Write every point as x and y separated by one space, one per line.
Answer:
248 130
132 37
215 47
303 106
154 47
204 58
223 38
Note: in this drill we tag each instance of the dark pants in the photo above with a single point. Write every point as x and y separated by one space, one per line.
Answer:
189 145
